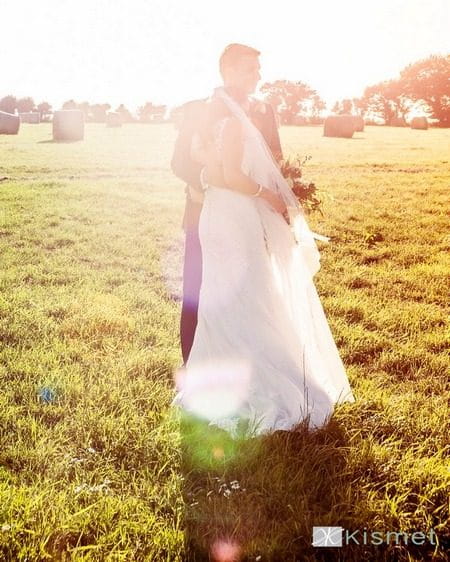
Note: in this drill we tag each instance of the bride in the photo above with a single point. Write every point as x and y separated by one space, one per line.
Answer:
263 356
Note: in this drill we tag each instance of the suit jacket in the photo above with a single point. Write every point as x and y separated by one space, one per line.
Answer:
263 116
267 124
182 165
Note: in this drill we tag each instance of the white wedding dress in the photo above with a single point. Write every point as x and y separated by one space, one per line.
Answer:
263 356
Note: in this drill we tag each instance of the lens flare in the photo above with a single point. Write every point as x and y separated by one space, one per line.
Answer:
218 452
214 389
224 550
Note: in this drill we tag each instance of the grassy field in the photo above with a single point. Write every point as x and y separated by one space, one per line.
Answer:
94 465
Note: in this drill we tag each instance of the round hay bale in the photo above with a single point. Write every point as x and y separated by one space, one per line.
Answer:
30 117
68 124
419 123
113 119
339 126
358 122
9 123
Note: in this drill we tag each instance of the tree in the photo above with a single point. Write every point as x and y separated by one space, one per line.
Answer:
85 107
317 106
360 106
353 106
8 104
336 107
343 106
24 105
69 105
150 112
287 97
428 80
44 109
387 100
124 113
98 111
347 106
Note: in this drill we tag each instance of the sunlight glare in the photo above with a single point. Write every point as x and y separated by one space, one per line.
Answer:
214 389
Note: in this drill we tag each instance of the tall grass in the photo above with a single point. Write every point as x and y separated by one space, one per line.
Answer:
94 465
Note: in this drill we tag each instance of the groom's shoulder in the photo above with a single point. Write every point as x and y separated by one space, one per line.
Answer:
211 107
193 108
216 109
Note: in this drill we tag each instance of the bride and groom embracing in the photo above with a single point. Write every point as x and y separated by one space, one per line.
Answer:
258 351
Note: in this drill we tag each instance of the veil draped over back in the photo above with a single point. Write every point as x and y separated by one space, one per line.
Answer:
259 164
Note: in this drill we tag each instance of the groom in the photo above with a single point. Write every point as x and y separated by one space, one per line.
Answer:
237 64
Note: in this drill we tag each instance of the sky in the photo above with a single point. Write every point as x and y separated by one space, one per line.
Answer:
167 51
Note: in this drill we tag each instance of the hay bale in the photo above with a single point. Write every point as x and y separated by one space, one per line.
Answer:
339 126
358 122
68 124
419 122
30 117
9 123
113 119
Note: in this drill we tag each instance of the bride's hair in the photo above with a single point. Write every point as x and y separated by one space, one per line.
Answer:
233 52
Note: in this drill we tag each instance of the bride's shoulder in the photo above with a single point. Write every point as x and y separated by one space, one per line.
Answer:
217 116
227 132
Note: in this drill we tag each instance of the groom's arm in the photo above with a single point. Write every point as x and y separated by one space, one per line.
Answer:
182 164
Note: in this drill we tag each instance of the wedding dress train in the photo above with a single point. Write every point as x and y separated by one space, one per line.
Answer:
263 354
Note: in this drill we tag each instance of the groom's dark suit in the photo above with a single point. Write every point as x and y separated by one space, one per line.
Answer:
190 173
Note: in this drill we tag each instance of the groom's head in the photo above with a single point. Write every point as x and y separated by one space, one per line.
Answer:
239 67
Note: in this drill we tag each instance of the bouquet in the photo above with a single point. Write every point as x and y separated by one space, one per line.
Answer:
305 191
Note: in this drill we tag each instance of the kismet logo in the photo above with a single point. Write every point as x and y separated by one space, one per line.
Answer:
338 536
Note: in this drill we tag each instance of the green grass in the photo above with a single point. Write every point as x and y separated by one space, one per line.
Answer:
91 247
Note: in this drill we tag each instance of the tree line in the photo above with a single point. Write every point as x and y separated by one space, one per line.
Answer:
425 83
92 112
